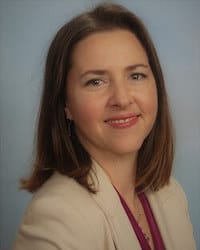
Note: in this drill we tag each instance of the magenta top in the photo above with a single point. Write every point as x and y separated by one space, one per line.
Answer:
155 233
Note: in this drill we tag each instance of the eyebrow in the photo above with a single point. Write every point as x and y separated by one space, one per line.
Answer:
135 66
103 72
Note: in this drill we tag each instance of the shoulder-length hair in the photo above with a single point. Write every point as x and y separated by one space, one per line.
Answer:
56 149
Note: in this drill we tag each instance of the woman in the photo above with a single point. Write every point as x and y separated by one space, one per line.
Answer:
102 173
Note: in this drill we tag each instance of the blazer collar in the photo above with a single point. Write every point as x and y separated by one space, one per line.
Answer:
157 206
109 202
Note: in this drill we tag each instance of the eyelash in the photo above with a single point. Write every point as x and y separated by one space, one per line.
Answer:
97 82
94 82
139 76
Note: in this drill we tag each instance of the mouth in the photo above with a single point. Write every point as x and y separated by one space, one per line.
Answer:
123 121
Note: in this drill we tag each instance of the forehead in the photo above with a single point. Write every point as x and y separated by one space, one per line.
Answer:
108 47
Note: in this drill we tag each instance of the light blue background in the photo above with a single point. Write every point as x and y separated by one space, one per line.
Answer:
27 27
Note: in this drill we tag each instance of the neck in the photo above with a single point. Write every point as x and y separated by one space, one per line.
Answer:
121 171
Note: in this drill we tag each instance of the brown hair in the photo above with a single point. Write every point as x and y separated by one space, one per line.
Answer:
55 148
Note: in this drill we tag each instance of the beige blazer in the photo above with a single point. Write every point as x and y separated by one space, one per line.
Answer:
63 215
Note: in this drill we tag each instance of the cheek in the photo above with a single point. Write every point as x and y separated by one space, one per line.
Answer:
154 102
84 111
150 101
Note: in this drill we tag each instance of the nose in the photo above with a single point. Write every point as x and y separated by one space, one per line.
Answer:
121 96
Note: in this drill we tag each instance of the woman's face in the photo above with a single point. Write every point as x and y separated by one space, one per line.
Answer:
111 93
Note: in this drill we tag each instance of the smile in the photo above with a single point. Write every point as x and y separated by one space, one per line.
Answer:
124 122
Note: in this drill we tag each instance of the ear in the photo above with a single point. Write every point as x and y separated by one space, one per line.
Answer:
68 113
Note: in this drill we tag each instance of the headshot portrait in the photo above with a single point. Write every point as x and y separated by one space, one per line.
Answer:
100 132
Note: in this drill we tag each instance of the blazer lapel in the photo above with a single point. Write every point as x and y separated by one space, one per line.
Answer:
156 203
108 201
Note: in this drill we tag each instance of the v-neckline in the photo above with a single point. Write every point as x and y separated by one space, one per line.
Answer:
155 232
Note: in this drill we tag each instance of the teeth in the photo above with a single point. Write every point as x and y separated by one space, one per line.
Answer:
121 121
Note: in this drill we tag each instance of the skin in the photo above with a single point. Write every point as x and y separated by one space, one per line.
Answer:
112 99
123 86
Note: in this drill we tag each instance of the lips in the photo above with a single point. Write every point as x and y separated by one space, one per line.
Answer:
123 121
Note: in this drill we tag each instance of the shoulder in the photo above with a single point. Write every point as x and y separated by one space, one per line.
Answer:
172 191
170 208
62 195
171 198
62 187
60 211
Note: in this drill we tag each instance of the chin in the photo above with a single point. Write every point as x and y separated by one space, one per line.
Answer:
124 149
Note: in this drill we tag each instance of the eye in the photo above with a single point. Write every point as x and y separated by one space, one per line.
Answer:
138 76
94 82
